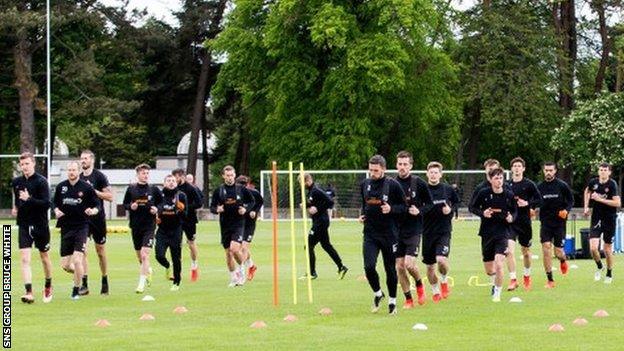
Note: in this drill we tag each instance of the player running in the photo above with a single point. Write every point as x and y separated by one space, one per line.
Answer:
437 231
142 200
602 194
498 209
32 200
557 201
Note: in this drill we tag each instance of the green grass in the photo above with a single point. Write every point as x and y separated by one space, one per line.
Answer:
219 317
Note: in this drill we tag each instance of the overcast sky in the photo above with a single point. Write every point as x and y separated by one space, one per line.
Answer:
162 9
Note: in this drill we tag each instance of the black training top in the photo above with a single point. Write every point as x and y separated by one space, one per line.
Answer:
73 200
319 199
502 204
145 196
376 192
231 197
33 211
258 202
99 181
194 200
527 191
556 196
416 193
435 221
607 191
173 209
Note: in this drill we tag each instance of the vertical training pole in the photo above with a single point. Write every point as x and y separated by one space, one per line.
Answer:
274 215
304 212
291 193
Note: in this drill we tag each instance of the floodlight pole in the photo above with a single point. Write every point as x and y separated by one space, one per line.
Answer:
48 93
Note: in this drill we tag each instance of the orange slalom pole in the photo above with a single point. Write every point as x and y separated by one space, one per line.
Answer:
274 216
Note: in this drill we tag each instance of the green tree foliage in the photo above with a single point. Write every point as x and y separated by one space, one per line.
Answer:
507 57
330 83
593 133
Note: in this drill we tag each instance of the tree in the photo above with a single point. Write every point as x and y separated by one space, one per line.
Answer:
23 24
331 83
201 20
593 134
507 55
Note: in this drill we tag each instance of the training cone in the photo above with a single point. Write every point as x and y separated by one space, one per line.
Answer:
580 321
573 266
556 328
325 311
601 313
180 310
102 323
148 298
290 318
147 317
258 325
419 326
515 299
361 278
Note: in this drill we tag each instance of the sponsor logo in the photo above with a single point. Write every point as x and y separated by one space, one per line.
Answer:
71 201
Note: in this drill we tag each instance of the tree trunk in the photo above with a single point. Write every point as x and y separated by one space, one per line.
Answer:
564 21
241 160
599 7
472 137
198 113
205 163
27 90
473 133
202 90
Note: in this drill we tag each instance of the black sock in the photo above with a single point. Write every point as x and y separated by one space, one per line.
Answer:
104 280
609 272
419 283
408 295
28 288
48 282
599 264
562 260
85 280
75 290
549 275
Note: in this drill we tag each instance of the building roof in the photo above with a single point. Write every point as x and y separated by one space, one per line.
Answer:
183 145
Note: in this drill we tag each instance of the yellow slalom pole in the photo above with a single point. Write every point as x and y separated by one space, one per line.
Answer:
291 193
304 214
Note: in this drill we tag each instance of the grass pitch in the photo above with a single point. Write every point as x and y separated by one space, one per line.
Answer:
219 317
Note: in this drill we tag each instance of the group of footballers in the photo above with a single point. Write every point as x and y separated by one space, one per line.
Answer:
157 214
397 212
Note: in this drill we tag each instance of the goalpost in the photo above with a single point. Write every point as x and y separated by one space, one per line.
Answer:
345 185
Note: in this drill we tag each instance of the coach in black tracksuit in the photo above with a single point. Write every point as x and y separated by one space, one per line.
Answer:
382 202
318 204
172 213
